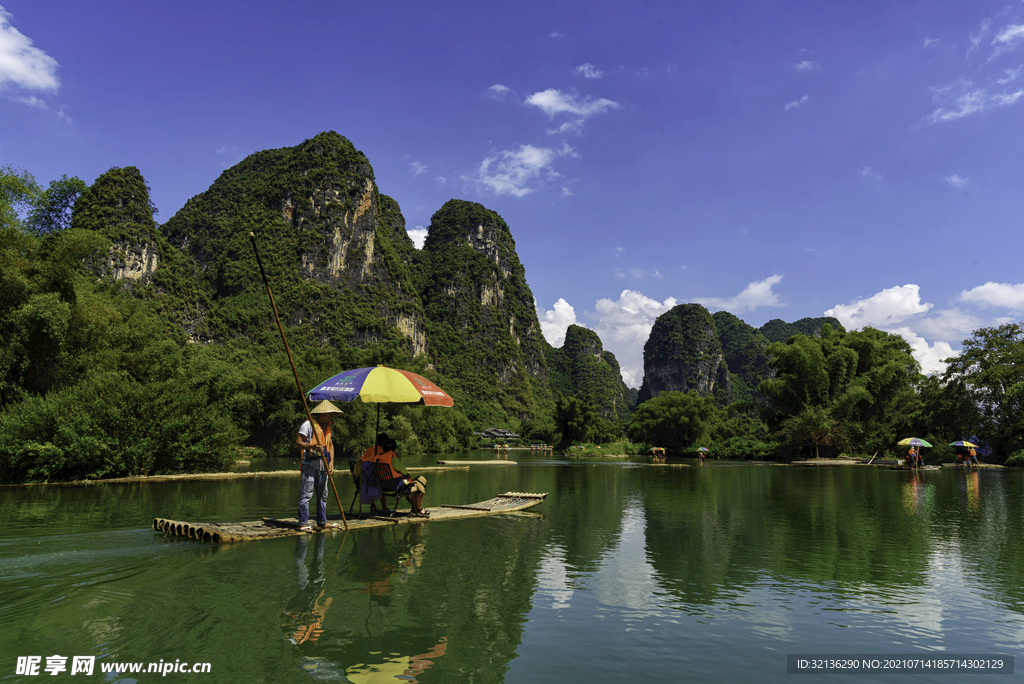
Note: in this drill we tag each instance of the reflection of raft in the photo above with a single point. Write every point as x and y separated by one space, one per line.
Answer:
903 467
275 528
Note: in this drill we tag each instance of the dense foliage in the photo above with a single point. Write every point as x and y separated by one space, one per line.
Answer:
839 390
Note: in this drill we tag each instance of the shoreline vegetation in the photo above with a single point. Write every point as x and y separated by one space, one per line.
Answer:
453 465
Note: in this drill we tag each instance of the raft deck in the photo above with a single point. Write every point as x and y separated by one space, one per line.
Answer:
275 528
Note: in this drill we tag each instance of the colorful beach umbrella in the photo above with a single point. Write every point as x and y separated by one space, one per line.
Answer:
964 444
702 449
381 384
913 441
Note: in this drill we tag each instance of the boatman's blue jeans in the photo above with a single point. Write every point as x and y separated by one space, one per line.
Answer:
310 482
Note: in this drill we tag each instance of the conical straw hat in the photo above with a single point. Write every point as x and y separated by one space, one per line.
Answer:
325 407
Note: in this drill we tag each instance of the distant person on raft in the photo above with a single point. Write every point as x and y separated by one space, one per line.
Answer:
413 489
316 465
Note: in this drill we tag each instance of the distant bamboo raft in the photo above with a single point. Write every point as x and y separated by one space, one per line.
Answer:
275 528
469 463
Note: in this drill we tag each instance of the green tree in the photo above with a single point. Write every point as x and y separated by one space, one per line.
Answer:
991 368
676 420
52 209
859 379
19 192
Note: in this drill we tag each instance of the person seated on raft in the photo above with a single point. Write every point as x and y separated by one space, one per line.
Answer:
912 457
415 489
972 456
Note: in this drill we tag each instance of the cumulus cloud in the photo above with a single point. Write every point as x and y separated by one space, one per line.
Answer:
624 326
883 309
806 66
931 356
418 235
1004 295
555 322
956 181
797 104
498 91
756 294
588 70
520 171
417 168
554 102
22 64
899 310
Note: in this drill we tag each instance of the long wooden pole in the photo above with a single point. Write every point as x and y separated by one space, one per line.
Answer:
302 395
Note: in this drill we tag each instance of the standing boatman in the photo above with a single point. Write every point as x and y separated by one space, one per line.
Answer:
316 465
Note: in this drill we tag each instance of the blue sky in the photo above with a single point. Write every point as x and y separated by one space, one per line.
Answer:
776 160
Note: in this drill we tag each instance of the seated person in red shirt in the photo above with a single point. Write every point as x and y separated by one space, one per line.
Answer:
414 489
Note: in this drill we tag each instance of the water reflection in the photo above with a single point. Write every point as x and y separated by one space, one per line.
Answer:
628 572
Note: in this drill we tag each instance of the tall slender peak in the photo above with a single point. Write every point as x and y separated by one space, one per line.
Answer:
333 243
683 353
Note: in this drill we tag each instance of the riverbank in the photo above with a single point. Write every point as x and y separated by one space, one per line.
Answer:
206 476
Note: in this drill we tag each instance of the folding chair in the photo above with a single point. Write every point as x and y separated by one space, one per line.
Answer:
385 474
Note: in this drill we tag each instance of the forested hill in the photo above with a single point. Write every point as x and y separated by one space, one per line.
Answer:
715 355
128 347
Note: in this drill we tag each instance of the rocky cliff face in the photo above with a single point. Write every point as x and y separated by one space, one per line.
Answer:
117 206
684 353
334 247
581 367
483 324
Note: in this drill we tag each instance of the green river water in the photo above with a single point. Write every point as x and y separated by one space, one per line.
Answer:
629 572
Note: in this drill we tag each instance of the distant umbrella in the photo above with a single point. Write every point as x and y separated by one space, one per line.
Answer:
964 444
702 449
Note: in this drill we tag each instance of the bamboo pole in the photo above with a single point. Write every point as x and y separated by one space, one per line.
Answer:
302 395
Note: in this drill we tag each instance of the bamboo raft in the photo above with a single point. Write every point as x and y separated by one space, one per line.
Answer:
276 528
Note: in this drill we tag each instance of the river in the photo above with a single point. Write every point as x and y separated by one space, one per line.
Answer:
628 572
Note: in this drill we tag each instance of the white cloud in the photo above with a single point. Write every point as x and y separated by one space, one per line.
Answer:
62 115
1011 75
928 42
498 91
624 326
556 34
519 172
574 127
930 356
418 235
554 323
956 181
21 64
899 310
797 104
806 66
1003 295
756 294
554 102
417 168
962 98
868 172
31 101
588 70
881 310
1009 38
